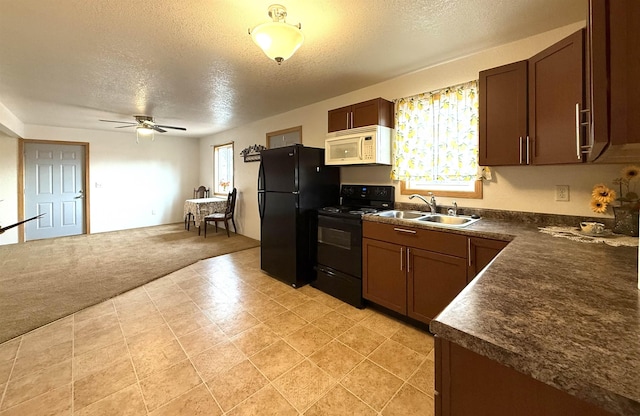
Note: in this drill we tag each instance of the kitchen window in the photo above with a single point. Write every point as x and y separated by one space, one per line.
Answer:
436 142
223 169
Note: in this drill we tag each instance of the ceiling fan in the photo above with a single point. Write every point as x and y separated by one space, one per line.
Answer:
145 122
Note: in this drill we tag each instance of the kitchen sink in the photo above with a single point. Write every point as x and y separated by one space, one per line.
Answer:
457 221
434 219
404 215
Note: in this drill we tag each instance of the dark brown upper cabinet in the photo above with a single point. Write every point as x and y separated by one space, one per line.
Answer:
556 102
503 115
614 68
531 111
368 113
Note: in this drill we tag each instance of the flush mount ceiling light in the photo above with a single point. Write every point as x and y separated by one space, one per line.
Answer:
278 39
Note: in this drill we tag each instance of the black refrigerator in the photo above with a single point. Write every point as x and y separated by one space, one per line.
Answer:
293 183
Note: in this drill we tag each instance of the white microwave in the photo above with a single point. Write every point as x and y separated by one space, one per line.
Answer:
369 145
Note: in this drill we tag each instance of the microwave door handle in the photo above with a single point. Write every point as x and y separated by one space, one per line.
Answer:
360 144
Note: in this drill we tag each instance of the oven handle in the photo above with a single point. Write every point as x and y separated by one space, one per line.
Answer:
327 271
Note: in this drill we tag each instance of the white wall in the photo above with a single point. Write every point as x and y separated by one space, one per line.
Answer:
8 187
129 181
521 188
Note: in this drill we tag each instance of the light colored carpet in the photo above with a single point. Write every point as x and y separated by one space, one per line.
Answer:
44 280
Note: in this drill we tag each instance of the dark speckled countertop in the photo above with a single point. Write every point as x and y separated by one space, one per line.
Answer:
563 312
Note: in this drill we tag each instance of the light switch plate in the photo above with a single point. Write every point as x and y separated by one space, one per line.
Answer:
562 192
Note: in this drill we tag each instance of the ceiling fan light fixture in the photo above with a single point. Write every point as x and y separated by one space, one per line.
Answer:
142 132
278 39
145 126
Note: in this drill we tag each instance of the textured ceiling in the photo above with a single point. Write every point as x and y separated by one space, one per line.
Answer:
192 63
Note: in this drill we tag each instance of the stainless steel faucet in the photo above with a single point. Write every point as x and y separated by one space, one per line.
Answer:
432 203
453 211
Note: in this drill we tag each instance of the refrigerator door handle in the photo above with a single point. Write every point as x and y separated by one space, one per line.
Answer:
261 177
261 204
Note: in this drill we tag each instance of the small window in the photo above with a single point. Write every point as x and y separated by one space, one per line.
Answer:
436 143
223 169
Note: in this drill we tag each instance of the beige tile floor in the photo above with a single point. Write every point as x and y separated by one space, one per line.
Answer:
219 337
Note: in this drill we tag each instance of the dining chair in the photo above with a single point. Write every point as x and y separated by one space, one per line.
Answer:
199 192
225 216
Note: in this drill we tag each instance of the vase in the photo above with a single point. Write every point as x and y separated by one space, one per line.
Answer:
626 221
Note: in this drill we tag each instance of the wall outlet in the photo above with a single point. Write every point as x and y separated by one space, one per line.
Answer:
153 212
562 192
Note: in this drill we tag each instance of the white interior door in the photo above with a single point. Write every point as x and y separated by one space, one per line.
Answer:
54 184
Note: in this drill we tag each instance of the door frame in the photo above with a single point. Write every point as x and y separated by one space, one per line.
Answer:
21 179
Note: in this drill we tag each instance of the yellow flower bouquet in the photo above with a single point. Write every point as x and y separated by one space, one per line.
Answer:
625 203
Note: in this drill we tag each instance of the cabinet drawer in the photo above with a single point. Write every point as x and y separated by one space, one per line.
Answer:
436 241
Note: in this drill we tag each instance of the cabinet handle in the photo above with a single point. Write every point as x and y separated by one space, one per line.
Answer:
408 260
521 150
351 126
578 148
587 147
401 257
528 148
347 114
402 230
469 251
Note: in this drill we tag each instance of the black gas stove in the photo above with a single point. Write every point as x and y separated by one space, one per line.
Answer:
339 255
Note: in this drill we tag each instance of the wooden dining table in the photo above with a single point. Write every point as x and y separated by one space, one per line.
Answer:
201 207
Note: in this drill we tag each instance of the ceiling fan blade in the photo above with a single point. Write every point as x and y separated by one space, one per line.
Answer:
123 122
171 127
124 127
157 128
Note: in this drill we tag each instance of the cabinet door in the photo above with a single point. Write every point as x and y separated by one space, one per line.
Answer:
468 383
556 87
434 280
339 119
383 274
503 115
481 252
598 78
614 68
625 71
373 112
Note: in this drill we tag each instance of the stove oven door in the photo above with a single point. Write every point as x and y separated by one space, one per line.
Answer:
340 244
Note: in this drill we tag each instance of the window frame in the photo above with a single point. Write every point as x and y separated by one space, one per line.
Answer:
216 181
405 189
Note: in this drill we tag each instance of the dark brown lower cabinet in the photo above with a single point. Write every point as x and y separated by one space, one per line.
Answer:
434 280
417 272
385 280
470 384
481 252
